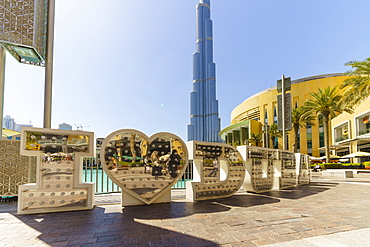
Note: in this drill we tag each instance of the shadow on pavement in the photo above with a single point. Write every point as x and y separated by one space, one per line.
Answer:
99 228
249 200
174 210
184 209
301 191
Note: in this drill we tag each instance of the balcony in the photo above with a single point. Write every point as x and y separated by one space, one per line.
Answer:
342 138
363 132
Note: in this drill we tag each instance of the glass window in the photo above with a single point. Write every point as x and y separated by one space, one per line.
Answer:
266 118
309 143
321 139
276 143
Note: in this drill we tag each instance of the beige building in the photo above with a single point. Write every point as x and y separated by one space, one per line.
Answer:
262 109
351 132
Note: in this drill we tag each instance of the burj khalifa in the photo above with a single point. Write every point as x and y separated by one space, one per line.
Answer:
204 118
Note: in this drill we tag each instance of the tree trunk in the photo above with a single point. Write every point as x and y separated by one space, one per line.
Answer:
295 145
326 138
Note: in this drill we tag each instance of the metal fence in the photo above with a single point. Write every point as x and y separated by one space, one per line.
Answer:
93 172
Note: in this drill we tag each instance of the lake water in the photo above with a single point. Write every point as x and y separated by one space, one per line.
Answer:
103 184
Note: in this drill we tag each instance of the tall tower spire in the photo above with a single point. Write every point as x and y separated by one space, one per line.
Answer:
204 118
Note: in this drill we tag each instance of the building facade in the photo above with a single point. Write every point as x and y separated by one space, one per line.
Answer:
204 117
351 132
9 123
261 109
19 126
65 126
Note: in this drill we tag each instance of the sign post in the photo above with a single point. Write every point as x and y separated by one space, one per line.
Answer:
284 106
283 111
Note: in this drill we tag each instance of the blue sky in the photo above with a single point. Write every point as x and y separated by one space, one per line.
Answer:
128 63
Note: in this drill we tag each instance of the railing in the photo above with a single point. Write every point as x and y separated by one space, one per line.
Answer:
188 176
365 131
93 172
341 138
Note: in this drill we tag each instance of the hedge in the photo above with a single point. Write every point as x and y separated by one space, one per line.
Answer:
366 163
342 165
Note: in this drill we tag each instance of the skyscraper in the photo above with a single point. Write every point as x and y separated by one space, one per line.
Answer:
204 118
9 123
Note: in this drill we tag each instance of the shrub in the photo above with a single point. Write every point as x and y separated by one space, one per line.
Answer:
331 166
353 166
343 165
367 164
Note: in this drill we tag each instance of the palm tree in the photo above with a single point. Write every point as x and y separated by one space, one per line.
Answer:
358 84
299 120
256 138
328 104
274 132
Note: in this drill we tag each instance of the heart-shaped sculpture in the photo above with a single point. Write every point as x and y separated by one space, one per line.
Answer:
144 167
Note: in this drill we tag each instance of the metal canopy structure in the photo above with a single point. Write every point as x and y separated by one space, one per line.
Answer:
27 33
23 30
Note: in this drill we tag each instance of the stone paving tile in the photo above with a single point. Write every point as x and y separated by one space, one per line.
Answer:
242 236
163 242
283 230
65 243
203 235
240 244
265 234
82 236
322 208
246 231
247 225
284 238
300 229
82 241
109 239
222 240
264 241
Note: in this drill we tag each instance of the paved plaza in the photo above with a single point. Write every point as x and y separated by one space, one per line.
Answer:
328 212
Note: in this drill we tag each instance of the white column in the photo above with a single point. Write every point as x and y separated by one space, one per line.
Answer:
2 87
49 65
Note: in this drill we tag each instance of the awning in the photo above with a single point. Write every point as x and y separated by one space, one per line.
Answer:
8 133
356 154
